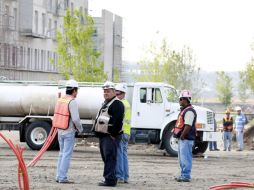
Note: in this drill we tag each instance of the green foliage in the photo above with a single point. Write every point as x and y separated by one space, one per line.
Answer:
242 87
116 75
75 49
224 87
249 74
176 68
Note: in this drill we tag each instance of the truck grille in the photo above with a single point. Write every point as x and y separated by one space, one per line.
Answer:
210 118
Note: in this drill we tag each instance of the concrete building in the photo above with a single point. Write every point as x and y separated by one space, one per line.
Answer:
108 40
27 38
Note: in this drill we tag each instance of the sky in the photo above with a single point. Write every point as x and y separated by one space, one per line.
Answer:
220 32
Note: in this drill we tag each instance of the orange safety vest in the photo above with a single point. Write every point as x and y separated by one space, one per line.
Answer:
179 123
230 127
62 114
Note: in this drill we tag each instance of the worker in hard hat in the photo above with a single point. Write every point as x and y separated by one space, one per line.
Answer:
185 131
67 120
122 168
239 127
227 130
108 127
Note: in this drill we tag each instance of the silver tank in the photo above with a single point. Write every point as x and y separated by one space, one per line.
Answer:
23 98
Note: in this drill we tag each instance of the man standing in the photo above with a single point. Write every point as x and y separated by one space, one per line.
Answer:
213 144
108 127
67 120
185 131
239 127
122 168
227 131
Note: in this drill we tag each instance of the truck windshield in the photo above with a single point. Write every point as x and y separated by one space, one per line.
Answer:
171 94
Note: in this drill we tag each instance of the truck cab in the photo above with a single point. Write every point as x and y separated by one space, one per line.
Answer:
155 109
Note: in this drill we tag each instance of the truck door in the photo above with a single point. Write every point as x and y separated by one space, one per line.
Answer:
150 108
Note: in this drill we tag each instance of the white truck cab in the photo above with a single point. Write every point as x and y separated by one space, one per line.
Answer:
155 109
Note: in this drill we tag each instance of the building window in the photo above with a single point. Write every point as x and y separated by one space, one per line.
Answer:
0 54
14 56
48 64
28 58
43 23
55 28
72 8
50 5
66 4
42 60
6 17
21 57
15 18
36 22
35 59
49 28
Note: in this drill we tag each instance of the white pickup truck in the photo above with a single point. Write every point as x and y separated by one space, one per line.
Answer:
28 107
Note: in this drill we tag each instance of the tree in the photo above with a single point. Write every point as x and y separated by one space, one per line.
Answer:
177 68
242 87
224 87
75 49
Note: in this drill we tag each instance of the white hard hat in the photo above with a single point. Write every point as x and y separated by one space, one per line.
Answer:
72 83
108 85
121 87
237 108
185 94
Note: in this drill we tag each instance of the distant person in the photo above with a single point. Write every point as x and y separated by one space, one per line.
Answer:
67 120
185 131
108 127
227 131
122 166
213 144
239 127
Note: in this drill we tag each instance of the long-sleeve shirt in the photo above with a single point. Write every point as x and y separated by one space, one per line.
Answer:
74 122
116 112
239 122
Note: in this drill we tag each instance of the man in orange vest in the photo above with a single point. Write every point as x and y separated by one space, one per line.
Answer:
67 120
185 131
227 131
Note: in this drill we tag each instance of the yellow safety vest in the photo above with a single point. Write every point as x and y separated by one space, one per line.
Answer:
127 117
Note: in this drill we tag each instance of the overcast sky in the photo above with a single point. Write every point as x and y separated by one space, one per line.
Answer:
220 32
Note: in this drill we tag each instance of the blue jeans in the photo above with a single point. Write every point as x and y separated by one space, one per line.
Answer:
239 139
212 145
227 139
122 168
66 143
185 157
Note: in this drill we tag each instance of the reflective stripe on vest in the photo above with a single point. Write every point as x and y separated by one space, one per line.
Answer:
180 120
62 114
127 117
102 119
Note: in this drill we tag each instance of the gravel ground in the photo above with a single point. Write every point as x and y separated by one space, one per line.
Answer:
149 168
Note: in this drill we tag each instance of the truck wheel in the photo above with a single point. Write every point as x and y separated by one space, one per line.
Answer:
170 143
37 133
199 147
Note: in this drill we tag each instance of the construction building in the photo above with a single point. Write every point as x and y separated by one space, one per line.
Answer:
27 38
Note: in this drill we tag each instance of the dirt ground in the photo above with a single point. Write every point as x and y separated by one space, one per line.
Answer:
149 168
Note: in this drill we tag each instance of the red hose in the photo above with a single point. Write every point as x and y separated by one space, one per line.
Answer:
232 185
22 171
47 143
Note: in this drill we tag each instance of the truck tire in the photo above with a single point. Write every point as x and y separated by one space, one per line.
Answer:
199 147
170 143
36 134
